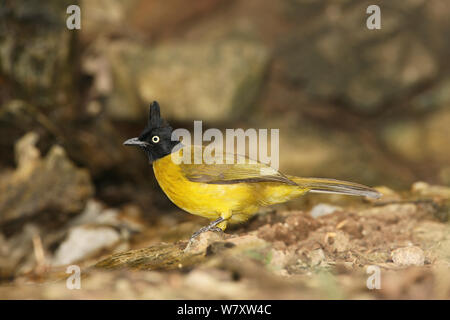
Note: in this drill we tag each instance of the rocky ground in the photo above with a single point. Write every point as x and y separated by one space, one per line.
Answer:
278 255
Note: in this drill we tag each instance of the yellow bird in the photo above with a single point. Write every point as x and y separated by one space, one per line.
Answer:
224 193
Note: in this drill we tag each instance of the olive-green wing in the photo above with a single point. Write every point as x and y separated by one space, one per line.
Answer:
242 170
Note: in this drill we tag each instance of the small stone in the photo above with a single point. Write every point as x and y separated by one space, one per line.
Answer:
83 242
408 256
316 257
323 209
419 186
202 241
424 189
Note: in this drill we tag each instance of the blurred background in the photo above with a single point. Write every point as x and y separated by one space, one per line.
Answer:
371 106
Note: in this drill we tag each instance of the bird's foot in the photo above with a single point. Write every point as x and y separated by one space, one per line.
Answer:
205 229
211 227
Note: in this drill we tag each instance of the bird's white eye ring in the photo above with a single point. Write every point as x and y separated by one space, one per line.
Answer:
155 139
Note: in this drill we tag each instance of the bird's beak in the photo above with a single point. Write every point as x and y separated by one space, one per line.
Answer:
135 142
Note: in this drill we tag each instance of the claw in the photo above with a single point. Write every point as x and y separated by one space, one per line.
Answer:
216 229
211 227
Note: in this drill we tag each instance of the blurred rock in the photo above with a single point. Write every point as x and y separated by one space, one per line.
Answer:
127 220
308 150
425 189
96 230
139 17
407 139
98 146
156 18
323 209
408 256
333 56
209 79
433 98
50 185
437 131
103 17
36 59
421 140
94 212
84 242
17 254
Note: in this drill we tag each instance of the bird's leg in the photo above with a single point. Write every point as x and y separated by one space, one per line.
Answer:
211 227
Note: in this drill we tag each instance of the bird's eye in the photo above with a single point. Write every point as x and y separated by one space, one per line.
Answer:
155 139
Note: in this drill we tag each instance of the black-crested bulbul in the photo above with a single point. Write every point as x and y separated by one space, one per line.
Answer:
224 193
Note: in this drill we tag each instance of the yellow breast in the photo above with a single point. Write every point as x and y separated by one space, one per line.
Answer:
206 200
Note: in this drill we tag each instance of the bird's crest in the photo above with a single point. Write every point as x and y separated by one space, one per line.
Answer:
154 120
154 117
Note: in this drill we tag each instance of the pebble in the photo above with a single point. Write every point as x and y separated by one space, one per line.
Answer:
323 209
408 256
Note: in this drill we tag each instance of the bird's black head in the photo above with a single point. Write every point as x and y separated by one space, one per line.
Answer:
155 140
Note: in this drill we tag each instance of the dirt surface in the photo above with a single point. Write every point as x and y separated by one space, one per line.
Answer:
277 255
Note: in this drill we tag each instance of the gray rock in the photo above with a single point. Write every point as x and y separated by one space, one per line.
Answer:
408 256
83 242
313 151
35 48
140 18
333 56
425 139
424 189
51 185
436 97
323 209
212 80
406 138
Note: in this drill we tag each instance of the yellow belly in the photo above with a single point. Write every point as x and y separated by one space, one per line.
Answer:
236 202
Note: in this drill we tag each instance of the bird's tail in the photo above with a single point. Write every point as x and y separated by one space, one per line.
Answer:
320 185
